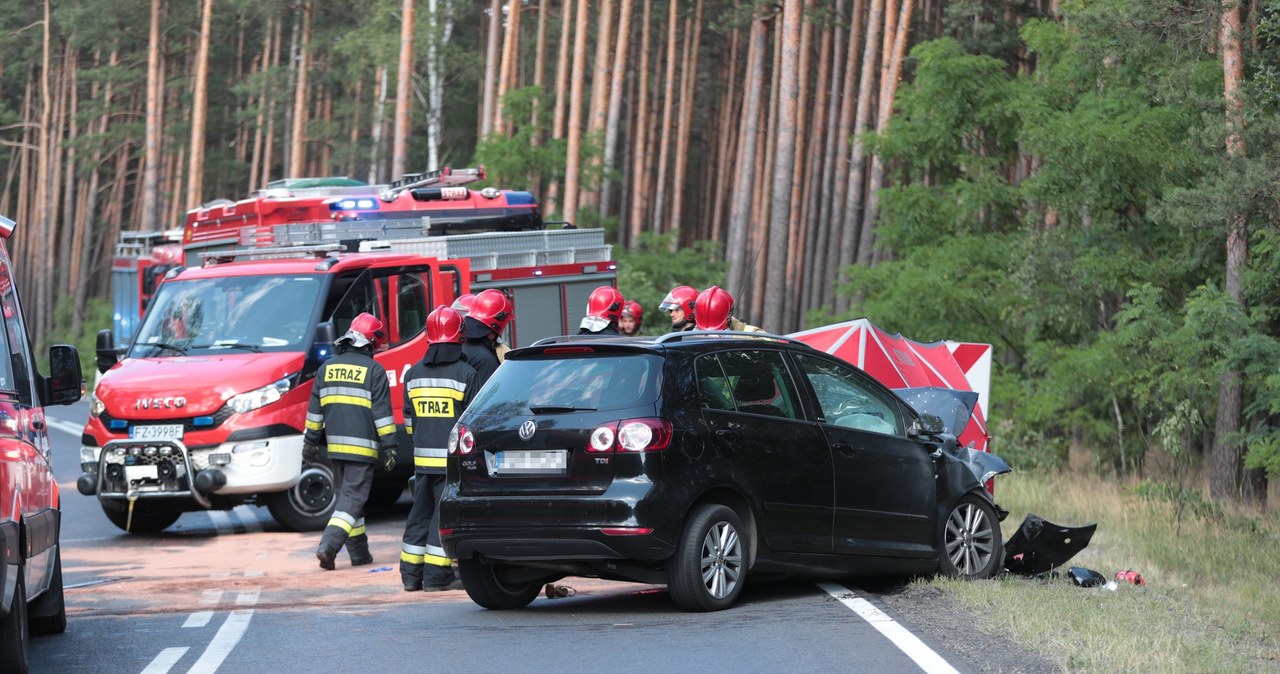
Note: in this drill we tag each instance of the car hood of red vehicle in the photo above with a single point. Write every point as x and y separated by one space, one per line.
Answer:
164 388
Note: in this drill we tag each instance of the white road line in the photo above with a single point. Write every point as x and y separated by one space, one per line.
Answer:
226 639
222 522
253 574
64 426
901 637
165 660
247 598
248 517
210 597
198 619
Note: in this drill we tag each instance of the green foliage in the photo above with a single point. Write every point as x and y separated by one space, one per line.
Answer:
97 316
648 273
510 161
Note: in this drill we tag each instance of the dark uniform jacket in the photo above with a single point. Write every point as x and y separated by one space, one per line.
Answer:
435 395
351 409
481 354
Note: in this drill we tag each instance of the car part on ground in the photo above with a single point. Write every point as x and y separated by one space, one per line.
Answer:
1039 546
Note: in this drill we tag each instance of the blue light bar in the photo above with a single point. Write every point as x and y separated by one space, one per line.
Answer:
354 204
202 421
118 424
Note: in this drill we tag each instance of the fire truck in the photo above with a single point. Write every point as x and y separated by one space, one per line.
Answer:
204 408
140 262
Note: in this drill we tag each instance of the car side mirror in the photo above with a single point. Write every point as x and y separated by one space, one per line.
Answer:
326 333
927 424
65 384
107 355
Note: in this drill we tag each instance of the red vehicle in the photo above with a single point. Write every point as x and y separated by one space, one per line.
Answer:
205 408
140 262
30 509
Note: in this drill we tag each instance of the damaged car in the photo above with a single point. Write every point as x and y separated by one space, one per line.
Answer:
700 460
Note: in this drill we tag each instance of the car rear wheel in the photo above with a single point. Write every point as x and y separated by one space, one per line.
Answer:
708 569
48 614
484 584
971 545
308 505
145 521
14 637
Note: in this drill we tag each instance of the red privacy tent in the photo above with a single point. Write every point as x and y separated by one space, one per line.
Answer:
899 363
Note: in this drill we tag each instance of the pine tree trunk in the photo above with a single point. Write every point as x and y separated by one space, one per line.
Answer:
153 133
684 124
490 86
726 154
853 192
574 149
375 132
589 195
507 71
816 158
888 92
1226 466
562 85
835 168
741 208
440 34
668 100
539 70
298 135
404 75
783 163
641 150
199 109
615 104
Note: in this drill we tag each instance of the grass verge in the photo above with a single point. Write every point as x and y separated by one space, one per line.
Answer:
1212 599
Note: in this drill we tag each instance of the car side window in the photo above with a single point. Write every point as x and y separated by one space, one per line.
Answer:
847 401
749 381
411 307
15 371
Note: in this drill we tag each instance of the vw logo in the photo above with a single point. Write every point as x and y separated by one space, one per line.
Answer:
527 429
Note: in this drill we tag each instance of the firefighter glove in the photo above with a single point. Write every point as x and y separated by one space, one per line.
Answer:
310 452
389 459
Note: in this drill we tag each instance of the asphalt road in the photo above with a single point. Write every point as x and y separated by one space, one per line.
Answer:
232 592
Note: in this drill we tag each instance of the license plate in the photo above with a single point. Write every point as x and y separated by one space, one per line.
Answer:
156 432
141 473
531 462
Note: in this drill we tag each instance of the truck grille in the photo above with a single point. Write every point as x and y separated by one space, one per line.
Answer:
188 423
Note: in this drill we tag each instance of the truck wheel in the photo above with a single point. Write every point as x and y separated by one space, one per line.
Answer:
14 637
709 567
308 505
145 521
481 581
48 614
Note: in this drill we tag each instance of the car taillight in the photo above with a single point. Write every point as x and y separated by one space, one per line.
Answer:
632 435
461 440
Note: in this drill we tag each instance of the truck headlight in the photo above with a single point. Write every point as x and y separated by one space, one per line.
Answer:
96 406
247 402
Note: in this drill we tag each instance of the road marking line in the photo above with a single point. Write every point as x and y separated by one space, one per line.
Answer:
65 426
253 574
901 637
222 522
226 639
165 660
248 517
210 597
198 619
247 598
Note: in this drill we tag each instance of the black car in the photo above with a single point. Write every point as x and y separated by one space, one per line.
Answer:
698 459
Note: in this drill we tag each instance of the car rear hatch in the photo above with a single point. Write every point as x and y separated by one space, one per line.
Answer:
552 421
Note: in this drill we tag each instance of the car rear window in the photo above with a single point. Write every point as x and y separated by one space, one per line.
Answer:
578 382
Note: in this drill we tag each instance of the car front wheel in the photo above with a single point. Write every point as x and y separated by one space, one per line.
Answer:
971 545
14 635
709 568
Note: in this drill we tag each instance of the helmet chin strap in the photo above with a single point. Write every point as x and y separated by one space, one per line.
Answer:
681 325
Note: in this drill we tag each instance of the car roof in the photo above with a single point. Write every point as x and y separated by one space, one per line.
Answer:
693 340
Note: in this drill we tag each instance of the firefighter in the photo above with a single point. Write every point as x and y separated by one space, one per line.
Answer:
629 323
679 303
604 308
462 305
490 313
713 310
351 408
437 390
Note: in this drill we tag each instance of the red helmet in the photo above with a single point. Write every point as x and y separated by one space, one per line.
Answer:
680 297
462 305
365 330
444 325
605 302
492 309
712 309
634 310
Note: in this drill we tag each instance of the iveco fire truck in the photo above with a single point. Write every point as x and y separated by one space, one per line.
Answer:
205 406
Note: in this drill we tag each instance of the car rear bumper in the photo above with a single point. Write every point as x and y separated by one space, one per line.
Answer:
555 544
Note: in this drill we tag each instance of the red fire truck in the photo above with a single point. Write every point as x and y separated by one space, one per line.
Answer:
205 407
140 262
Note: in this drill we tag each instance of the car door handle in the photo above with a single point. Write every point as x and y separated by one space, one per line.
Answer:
727 435
843 447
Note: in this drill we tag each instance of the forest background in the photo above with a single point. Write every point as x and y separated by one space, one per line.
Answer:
1091 186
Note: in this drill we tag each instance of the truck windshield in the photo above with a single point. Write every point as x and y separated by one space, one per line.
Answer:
230 314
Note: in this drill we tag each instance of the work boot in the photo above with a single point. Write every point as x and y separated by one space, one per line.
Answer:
411 576
358 549
436 578
326 556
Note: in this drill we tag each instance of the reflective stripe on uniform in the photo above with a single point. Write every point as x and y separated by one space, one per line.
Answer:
430 457
336 448
345 395
429 462
435 556
412 553
343 521
435 382
385 425
315 422
358 530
